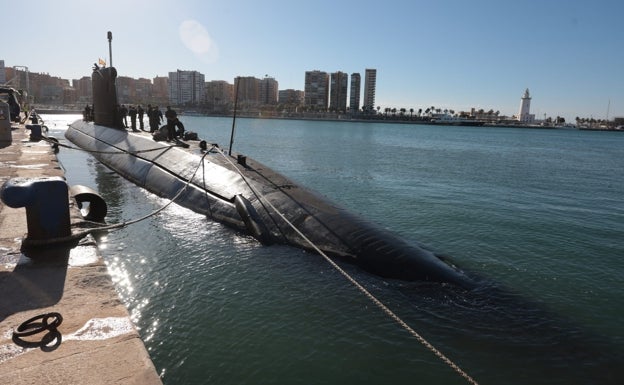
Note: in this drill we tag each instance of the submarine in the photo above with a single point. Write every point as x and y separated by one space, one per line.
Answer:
249 196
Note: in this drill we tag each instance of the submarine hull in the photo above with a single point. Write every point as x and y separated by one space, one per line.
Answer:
249 196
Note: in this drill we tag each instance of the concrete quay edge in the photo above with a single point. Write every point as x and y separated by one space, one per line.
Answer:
98 344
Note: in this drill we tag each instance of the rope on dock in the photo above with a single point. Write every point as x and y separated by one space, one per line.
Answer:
361 288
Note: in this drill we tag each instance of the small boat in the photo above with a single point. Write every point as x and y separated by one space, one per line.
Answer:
191 113
451 120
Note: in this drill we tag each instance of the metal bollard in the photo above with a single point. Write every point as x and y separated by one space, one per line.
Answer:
91 205
46 201
35 132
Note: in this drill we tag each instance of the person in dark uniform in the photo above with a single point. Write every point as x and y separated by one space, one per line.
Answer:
119 118
124 115
86 115
179 133
150 117
155 118
133 115
171 117
141 112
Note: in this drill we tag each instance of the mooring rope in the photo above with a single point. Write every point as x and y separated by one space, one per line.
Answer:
361 288
120 151
79 235
261 198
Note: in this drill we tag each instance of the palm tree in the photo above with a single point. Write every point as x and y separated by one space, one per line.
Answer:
411 112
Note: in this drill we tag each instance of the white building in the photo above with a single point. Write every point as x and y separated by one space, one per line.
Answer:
524 115
186 87
370 80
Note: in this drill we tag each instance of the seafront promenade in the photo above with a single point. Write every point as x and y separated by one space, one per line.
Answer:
95 341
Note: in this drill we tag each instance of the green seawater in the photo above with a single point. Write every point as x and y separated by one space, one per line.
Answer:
536 215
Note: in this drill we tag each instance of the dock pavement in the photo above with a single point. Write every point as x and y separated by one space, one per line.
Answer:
95 342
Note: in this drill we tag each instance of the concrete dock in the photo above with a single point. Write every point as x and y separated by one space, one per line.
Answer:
96 342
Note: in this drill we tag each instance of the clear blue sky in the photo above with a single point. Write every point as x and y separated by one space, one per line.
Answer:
449 54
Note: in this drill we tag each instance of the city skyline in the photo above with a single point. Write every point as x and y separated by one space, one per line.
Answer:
450 54
189 86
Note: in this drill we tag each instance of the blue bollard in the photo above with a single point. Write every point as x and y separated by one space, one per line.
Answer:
47 205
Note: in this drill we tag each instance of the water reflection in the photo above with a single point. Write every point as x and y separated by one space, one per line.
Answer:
109 186
215 306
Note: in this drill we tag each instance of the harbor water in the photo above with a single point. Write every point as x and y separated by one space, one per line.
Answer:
536 215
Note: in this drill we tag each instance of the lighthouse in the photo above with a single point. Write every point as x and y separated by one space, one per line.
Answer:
525 107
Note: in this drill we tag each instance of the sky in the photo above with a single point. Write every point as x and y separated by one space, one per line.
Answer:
451 54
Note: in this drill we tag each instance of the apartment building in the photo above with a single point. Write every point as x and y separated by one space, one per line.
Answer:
338 91
316 90
354 95
186 87
370 80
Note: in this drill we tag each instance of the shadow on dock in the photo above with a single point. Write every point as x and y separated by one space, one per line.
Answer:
36 282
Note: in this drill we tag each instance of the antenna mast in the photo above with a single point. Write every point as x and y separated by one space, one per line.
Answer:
110 48
234 118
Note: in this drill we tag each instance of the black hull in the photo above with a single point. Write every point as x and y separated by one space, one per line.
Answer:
249 204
